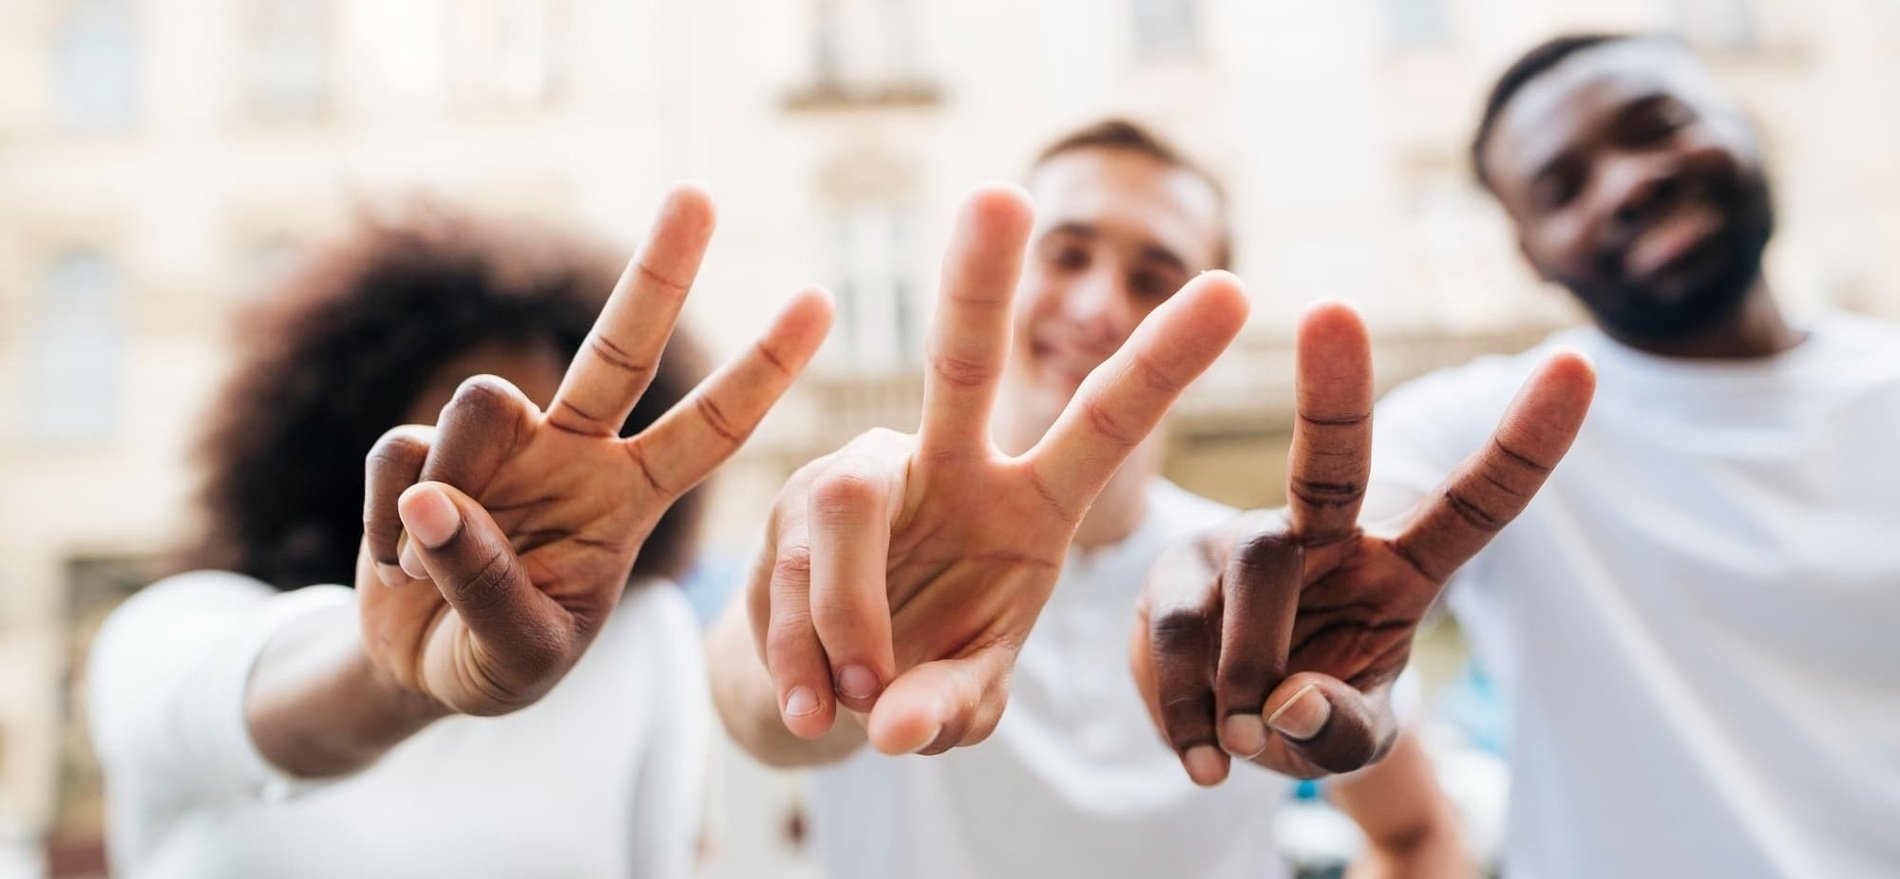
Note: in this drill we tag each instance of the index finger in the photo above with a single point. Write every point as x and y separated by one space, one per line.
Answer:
1496 483
970 335
620 355
1122 400
1331 456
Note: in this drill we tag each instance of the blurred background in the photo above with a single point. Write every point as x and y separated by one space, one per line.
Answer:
163 163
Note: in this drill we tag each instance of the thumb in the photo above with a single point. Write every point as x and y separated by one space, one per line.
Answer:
1329 723
477 572
944 704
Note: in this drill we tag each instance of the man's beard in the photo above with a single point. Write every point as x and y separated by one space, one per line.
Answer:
1707 288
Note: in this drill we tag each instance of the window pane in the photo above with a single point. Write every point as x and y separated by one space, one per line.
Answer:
74 352
97 66
290 58
1411 24
1166 27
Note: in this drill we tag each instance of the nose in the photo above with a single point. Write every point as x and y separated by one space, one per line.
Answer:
1636 188
1097 302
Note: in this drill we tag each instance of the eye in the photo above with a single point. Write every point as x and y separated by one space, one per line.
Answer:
1071 258
1654 121
1151 286
1556 189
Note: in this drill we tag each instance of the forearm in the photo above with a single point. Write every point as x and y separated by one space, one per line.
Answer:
316 707
748 703
1410 825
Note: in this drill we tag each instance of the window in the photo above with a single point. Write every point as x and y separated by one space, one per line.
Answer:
1166 28
863 42
877 308
1415 24
96 72
290 58
504 51
1717 24
74 352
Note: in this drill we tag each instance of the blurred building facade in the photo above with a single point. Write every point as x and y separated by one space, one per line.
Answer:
162 163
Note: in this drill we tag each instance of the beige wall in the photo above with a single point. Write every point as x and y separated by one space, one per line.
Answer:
1343 153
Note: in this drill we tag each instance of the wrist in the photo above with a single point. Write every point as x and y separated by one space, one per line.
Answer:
396 710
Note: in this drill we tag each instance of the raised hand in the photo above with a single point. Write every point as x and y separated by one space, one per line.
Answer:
497 542
902 573
1278 636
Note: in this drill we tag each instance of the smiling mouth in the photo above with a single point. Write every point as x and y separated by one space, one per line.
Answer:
1671 240
1064 365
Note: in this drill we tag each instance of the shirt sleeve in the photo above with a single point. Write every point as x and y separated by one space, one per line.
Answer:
166 687
670 784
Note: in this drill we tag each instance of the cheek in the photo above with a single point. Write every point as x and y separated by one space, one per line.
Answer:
1036 306
1561 247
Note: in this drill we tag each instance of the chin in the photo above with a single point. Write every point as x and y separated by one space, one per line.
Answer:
1685 301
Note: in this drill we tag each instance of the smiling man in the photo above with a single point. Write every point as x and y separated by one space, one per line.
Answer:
1696 616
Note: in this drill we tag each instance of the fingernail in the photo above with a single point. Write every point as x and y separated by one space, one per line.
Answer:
431 517
411 562
1203 765
1303 716
1243 735
929 739
800 702
857 682
391 575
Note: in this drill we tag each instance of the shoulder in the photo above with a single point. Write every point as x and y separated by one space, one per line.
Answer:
1492 378
1455 407
188 601
1866 346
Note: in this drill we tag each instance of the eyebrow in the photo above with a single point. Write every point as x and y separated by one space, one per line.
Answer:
1149 253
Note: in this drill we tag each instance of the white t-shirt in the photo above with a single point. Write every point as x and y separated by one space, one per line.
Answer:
602 777
1699 616
1076 781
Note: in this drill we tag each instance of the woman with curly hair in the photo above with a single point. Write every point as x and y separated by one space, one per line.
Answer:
511 687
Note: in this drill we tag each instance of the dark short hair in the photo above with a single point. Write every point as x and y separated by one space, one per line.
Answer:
1127 136
339 353
1532 64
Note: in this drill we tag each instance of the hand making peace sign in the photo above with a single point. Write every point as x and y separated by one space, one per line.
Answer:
497 542
902 573
1277 637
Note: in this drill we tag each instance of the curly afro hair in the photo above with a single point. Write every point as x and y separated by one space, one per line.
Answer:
340 353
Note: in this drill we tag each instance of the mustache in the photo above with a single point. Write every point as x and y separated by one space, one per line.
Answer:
1722 191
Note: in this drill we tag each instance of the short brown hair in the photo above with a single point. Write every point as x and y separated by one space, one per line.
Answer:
339 354
1127 136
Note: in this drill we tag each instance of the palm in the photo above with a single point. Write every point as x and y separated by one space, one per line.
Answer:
937 573
903 572
1238 627
554 506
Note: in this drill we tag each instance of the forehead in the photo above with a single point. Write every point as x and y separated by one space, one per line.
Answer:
1563 103
1129 195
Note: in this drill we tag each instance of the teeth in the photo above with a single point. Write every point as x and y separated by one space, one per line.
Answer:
1670 239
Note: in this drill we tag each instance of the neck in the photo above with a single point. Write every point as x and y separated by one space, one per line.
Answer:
1756 329
1118 510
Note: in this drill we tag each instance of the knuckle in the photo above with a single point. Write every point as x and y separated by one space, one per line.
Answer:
398 447
845 488
1266 553
1245 674
793 565
1180 632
